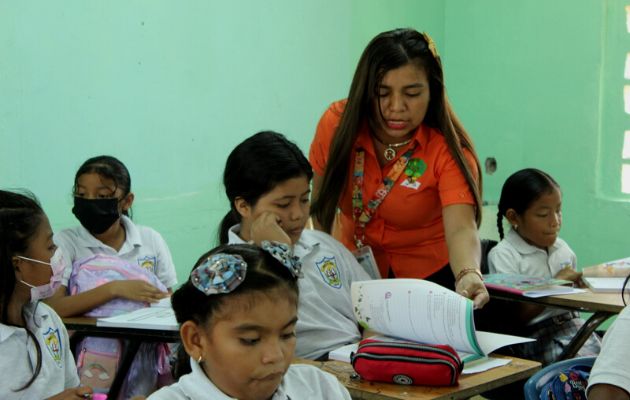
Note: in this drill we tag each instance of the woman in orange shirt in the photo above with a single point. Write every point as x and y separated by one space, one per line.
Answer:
398 164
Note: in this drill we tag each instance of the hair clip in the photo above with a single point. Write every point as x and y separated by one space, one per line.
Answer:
219 273
282 252
431 44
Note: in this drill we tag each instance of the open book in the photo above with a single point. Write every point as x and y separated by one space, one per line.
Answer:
422 311
160 316
529 286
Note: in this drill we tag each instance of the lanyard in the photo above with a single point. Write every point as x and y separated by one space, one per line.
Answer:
363 215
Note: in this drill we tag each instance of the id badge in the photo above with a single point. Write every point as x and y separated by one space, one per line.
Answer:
365 257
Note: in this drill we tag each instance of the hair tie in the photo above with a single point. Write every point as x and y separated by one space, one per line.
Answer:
219 273
283 253
431 45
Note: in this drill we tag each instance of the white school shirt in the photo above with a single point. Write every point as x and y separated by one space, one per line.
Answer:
513 255
301 382
143 246
612 366
19 356
325 317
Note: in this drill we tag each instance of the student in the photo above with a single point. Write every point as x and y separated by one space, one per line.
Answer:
610 376
237 316
396 161
36 360
531 202
102 201
267 181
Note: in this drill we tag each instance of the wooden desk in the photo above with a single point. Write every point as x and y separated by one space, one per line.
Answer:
84 326
602 305
469 385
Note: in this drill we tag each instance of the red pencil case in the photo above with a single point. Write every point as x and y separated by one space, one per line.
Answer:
407 363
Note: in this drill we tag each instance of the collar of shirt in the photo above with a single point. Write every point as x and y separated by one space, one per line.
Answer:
525 248
7 330
301 248
132 236
364 139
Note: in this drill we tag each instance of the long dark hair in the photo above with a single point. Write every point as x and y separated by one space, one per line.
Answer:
20 216
388 51
521 189
264 273
255 167
107 167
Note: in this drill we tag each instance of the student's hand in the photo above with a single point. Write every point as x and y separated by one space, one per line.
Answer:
267 227
569 274
472 287
136 290
81 392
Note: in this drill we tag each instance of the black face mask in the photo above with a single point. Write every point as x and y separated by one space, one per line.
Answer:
96 215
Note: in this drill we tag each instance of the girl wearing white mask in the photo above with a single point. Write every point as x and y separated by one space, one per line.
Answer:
36 360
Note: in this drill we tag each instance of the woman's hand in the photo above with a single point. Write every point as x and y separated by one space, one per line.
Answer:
80 392
569 274
267 227
136 290
471 286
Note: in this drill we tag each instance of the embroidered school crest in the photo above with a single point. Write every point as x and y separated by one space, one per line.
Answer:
52 340
329 271
148 263
413 171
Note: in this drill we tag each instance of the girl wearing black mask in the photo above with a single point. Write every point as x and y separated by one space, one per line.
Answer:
102 204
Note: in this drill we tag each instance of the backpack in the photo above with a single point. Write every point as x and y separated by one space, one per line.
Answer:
98 358
568 384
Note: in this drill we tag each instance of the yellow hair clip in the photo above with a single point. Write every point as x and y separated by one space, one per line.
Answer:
431 43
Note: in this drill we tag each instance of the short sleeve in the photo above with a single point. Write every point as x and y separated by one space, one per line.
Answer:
71 378
320 146
452 184
503 260
64 242
165 269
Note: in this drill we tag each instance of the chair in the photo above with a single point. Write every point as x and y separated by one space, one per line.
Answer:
536 382
486 246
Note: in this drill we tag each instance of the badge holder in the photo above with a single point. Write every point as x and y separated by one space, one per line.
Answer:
365 257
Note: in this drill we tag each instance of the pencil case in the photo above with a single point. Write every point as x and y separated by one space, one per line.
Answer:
406 363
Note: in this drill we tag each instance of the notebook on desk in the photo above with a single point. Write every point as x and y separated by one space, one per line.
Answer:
604 285
159 317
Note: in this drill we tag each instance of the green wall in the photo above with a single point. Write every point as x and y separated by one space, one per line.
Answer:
171 87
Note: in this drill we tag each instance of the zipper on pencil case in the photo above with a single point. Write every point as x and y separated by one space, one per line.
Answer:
416 360
419 347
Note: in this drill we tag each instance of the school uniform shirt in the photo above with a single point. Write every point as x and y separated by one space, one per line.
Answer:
19 356
143 246
407 231
325 317
301 382
612 366
513 255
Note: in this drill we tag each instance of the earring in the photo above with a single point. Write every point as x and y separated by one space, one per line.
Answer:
515 227
200 359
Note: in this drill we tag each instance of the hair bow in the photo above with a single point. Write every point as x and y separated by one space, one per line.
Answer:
282 252
219 273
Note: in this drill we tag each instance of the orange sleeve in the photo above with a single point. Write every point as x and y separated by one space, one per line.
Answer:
318 153
452 184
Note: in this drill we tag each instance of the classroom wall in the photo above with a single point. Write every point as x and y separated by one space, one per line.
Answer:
171 87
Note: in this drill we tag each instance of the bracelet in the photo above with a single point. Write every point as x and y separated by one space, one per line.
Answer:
466 271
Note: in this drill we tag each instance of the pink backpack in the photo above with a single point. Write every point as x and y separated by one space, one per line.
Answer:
98 358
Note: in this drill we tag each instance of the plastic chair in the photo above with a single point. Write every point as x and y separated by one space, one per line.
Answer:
486 246
535 383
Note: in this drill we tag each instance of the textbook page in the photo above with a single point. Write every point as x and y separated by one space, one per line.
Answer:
157 317
418 310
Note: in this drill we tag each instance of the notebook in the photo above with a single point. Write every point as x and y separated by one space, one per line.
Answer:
604 285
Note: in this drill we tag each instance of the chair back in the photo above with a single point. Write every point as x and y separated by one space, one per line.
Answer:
536 382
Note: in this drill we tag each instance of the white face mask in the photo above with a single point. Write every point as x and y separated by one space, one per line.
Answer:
57 264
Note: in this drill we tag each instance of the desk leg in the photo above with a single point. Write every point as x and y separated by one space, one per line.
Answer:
583 334
129 354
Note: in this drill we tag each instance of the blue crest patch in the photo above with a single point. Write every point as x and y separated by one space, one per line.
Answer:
148 263
52 340
329 271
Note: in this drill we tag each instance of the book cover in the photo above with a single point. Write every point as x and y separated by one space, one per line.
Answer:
529 286
610 269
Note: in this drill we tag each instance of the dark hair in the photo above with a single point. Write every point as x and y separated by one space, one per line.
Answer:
20 216
255 167
264 273
388 51
521 189
107 167
623 290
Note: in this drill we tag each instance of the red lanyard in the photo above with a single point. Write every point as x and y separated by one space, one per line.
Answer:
363 215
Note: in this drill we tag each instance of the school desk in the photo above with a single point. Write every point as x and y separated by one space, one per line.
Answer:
469 385
602 305
83 326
